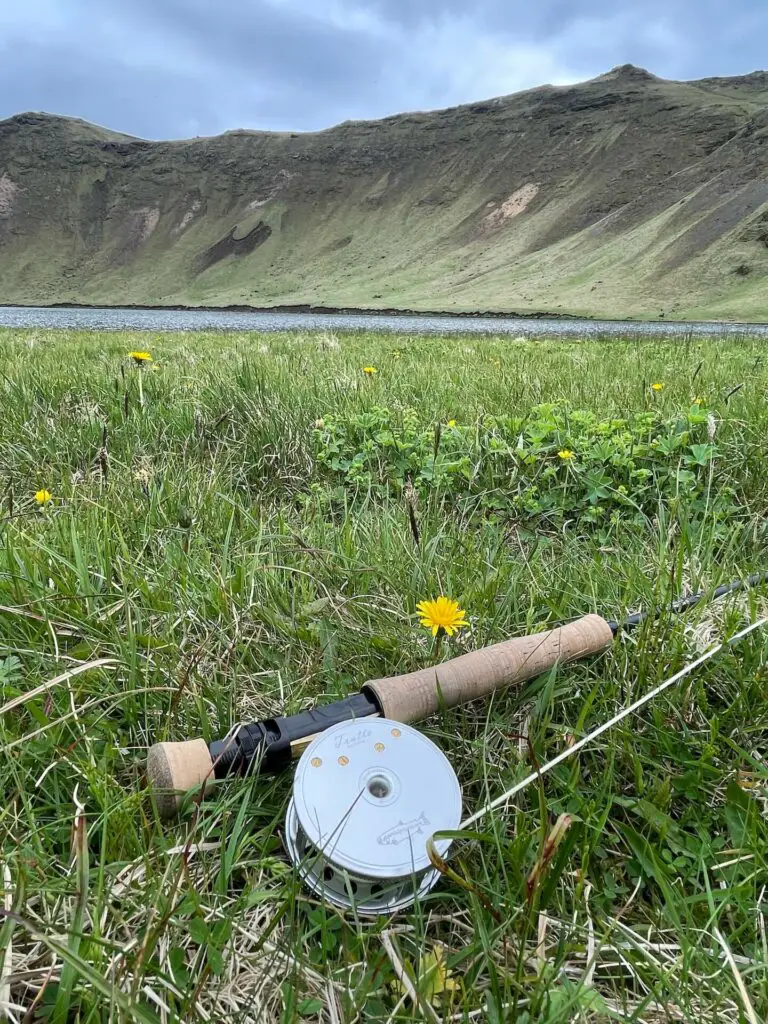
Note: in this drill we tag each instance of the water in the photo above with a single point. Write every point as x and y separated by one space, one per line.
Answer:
116 319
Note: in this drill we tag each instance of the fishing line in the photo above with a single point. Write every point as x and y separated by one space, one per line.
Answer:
499 801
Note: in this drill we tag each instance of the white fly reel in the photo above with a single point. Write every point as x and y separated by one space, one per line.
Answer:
367 795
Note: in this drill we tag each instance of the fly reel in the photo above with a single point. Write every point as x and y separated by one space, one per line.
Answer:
367 795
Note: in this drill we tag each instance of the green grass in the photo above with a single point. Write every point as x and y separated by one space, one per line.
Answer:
203 544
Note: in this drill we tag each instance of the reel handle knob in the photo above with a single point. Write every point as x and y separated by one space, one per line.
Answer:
175 768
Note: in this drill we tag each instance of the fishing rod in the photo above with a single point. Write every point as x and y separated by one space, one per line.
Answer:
270 745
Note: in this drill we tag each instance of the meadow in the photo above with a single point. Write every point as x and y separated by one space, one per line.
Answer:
243 526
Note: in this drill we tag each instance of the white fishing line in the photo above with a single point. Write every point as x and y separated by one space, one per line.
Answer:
528 780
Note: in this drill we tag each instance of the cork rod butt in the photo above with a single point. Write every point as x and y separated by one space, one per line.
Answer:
175 768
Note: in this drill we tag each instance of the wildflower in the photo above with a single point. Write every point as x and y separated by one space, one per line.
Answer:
566 454
436 982
451 423
143 473
319 423
369 370
140 357
698 401
442 614
42 497
658 386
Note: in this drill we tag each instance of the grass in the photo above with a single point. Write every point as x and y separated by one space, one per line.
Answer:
202 562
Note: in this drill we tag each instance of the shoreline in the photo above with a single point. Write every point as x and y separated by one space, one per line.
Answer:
303 307
309 308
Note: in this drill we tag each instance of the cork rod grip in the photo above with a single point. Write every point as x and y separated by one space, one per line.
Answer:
175 768
411 697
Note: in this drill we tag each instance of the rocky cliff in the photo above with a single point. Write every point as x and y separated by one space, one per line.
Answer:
623 196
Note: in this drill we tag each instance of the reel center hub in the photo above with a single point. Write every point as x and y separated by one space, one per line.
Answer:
379 787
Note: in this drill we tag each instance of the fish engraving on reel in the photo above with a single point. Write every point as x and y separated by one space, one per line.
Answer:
365 802
403 831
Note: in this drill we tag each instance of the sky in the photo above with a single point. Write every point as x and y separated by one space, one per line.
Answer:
180 68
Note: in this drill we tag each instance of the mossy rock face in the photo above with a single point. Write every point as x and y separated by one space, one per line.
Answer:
616 197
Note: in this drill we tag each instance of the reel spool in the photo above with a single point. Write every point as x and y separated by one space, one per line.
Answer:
367 795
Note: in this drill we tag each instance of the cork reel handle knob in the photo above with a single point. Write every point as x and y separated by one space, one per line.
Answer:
416 695
175 768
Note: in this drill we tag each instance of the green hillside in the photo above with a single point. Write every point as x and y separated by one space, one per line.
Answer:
624 196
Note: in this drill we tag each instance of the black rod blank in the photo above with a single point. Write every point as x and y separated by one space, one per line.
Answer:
684 603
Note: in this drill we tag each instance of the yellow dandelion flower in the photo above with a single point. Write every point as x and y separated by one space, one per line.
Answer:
42 497
140 357
451 423
369 370
698 401
566 454
442 613
658 386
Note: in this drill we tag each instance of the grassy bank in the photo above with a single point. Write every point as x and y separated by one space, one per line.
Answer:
244 527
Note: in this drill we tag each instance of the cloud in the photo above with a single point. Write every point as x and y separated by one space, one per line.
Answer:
174 68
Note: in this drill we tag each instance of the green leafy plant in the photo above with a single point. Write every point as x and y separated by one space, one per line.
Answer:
551 463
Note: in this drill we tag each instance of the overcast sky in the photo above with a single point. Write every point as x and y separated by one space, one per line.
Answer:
178 68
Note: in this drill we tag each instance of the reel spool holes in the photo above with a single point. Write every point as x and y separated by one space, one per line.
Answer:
367 795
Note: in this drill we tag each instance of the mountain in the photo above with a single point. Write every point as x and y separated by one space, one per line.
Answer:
626 196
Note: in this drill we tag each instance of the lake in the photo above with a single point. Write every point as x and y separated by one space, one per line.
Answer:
117 319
